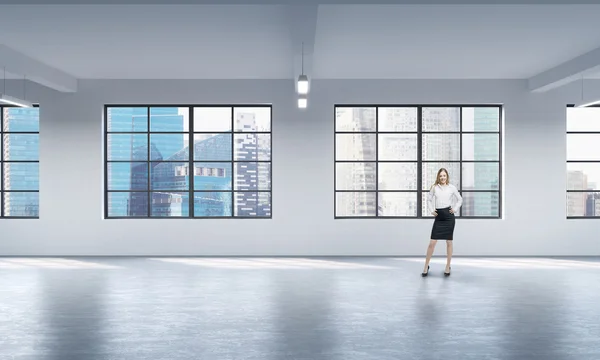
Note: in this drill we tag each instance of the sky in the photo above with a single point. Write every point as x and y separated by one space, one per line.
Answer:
584 146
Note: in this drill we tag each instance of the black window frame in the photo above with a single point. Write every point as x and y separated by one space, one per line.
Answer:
419 133
2 162
190 162
581 162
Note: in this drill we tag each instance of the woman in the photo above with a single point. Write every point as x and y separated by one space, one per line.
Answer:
443 201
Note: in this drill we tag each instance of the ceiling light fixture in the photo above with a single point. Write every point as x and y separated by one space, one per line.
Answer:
302 79
14 101
11 100
302 102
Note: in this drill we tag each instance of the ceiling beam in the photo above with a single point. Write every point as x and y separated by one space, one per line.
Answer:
33 70
566 72
302 20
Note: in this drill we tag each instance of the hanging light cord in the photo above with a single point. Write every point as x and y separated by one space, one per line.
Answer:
303 58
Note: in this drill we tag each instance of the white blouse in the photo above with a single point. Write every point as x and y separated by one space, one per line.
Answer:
442 196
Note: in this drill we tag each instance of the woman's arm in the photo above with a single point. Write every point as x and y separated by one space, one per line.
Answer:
459 199
430 200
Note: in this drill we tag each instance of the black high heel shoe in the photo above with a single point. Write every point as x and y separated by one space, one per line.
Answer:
447 273
425 273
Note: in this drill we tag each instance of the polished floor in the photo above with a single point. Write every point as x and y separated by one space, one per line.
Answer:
298 308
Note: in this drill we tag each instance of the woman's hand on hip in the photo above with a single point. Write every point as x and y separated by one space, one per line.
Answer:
434 213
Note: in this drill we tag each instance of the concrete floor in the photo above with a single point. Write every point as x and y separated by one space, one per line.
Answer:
298 308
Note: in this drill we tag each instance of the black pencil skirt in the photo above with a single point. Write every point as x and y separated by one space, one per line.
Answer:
443 226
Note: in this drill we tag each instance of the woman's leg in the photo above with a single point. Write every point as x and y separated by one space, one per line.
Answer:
449 250
430 249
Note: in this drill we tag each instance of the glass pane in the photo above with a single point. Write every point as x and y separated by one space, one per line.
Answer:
480 176
355 176
170 204
171 146
252 176
397 147
481 147
212 176
397 176
354 119
17 119
127 146
481 119
583 204
348 204
212 204
480 204
127 119
127 204
217 119
24 204
169 176
21 147
212 147
441 119
430 171
256 204
21 176
251 119
128 176
355 147
425 206
397 204
402 119
252 147
442 147
171 119
583 176
583 147
583 119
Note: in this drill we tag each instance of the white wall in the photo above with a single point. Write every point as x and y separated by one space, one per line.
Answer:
71 176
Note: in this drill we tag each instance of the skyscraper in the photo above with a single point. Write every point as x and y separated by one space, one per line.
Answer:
361 148
576 201
164 166
21 143
251 176
211 180
485 174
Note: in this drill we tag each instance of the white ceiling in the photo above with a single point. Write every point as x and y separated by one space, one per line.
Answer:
174 42
253 41
458 41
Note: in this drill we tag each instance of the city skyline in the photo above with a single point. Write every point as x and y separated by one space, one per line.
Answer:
231 169
392 176
20 161
367 160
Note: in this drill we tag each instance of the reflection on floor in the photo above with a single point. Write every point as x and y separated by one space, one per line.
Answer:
514 263
50 263
270 263
299 308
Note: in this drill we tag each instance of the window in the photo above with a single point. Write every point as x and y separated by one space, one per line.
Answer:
387 158
583 162
20 172
149 161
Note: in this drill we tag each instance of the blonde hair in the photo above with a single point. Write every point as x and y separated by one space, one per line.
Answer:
437 178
